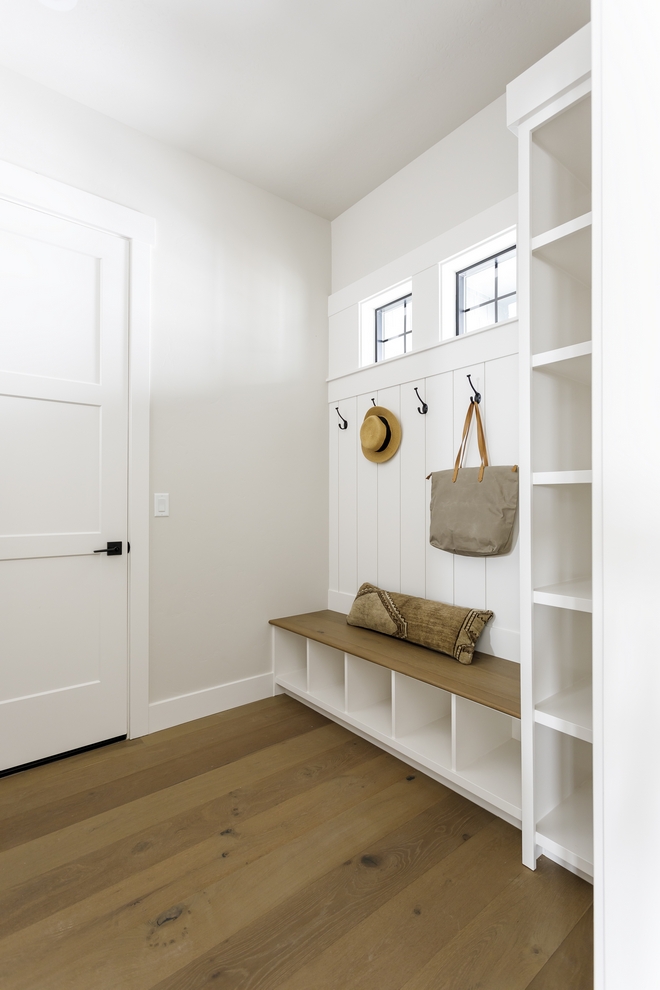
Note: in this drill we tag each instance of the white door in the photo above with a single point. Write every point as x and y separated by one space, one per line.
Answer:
63 485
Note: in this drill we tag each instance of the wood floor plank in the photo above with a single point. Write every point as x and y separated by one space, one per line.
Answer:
58 848
64 811
42 785
129 947
81 877
403 934
572 964
277 943
507 944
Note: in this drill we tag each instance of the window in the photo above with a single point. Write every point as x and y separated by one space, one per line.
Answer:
394 328
470 257
386 323
486 292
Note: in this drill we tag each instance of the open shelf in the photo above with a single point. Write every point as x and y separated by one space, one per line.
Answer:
561 416
569 594
422 719
431 742
377 717
563 230
561 533
561 168
497 776
567 831
488 754
561 478
325 675
369 694
570 252
569 711
294 679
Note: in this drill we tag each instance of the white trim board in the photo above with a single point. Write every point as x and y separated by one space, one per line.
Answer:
447 355
20 185
549 78
209 701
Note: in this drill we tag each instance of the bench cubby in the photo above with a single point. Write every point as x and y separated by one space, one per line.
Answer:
458 723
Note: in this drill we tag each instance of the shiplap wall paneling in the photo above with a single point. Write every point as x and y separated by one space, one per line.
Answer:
469 572
333 493
422 719
367 506
440 456
347 504
389 503
413 491
369 694
289 658
325 674
502 636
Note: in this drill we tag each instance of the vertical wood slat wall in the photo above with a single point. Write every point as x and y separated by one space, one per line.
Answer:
380 513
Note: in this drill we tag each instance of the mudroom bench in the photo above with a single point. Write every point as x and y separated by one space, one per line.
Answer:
458 723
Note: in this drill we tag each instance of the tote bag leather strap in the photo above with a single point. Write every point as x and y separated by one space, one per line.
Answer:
473 409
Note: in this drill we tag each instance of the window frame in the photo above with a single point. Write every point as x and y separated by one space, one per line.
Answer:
469 255
460 283
378 322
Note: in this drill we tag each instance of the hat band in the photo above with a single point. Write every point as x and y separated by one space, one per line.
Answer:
388 434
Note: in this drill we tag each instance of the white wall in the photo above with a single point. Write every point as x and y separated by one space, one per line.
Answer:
627 217
470 170
239 343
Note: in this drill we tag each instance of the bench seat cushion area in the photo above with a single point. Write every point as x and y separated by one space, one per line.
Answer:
488 680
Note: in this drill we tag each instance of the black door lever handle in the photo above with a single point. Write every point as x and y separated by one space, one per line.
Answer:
112 549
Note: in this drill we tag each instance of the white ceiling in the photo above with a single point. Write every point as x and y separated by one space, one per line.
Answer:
318 101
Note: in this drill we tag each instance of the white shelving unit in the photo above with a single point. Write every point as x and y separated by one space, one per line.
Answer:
469 747
549 109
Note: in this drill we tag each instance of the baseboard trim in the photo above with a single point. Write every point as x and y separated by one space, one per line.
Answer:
187 707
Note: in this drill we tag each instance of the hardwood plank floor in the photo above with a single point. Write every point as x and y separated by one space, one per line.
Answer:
264 848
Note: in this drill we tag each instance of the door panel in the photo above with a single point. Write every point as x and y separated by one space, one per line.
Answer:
50 452
33 346
63 495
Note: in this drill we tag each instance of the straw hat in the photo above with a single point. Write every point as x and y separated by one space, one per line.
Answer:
380 434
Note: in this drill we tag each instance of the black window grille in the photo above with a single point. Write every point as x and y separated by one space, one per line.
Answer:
394 328
486 292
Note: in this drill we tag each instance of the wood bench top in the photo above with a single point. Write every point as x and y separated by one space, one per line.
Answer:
488 680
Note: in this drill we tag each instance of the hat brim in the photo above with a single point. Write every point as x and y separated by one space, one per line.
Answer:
378 456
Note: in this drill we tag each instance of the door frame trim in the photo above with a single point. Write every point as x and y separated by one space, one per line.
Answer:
27 188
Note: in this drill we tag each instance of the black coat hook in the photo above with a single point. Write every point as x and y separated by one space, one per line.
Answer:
374 401
423 409
477 395
344 422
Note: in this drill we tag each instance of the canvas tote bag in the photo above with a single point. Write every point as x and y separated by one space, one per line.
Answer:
473 509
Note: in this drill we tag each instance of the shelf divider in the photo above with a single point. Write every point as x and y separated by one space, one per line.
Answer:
563 230
576 595
569 711
561 478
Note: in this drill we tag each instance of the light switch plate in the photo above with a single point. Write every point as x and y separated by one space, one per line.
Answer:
161 504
